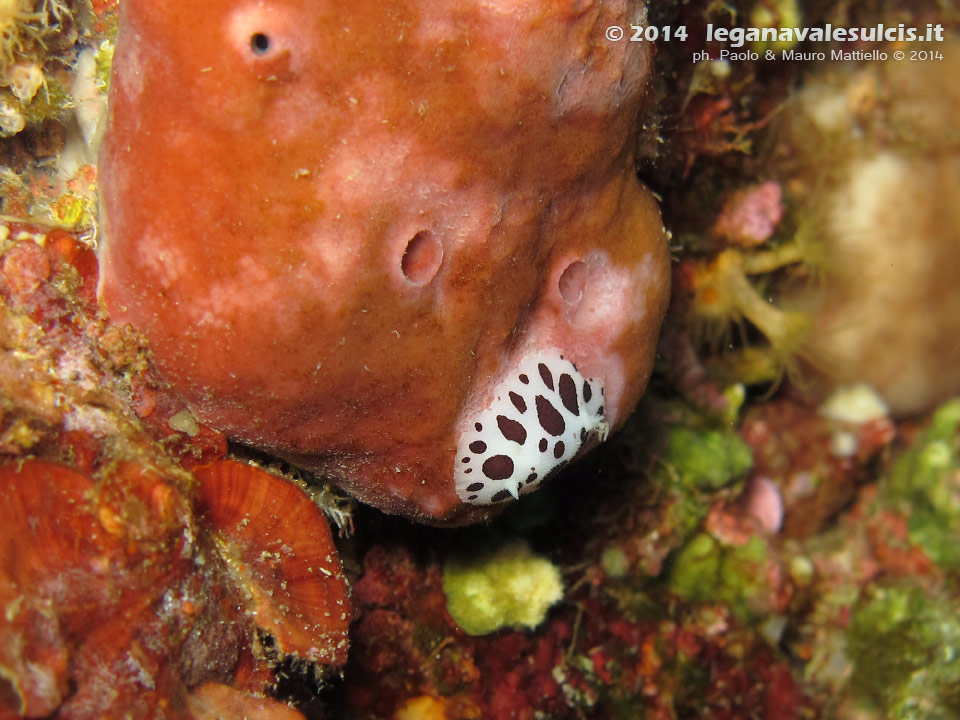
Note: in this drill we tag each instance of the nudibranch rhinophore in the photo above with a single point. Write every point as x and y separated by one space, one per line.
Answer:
400 242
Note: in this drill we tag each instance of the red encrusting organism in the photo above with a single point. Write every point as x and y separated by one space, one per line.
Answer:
349 236
278 544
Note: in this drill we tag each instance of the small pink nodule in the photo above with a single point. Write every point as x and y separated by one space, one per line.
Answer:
764 504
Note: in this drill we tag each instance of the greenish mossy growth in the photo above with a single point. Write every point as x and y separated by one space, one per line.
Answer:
905 646
104 63
511 586
696 569
51 101
694 462
706 570
614 562
923 484
707 459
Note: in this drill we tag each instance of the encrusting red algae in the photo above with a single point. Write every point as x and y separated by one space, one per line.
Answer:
129 586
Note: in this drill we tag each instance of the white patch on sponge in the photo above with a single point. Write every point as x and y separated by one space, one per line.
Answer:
542 414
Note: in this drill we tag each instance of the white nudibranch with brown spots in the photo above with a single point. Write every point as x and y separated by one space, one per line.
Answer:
543 413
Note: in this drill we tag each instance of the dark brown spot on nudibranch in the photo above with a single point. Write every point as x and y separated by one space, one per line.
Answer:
467 471
583 434
475 487
511 429
530 478
478 427
550 418
518 402
587 391
558 450
543 444
501 496
498 467
545 375
478 447
568 393
524 379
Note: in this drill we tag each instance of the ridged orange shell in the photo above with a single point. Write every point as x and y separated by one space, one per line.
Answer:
49 529
279 543
213 701
47 543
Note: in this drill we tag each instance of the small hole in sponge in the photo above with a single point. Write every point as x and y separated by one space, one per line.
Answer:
422 258
572 282
259 43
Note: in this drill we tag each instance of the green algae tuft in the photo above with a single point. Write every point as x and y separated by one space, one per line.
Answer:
924 479
707 459
707 570
905 645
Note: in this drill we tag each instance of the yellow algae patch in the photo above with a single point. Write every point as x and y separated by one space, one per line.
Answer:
511 586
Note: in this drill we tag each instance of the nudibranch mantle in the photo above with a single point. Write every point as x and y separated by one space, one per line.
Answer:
542 414
342 226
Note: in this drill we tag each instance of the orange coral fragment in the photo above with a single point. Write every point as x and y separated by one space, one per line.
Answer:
213 701
280 545
45 538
